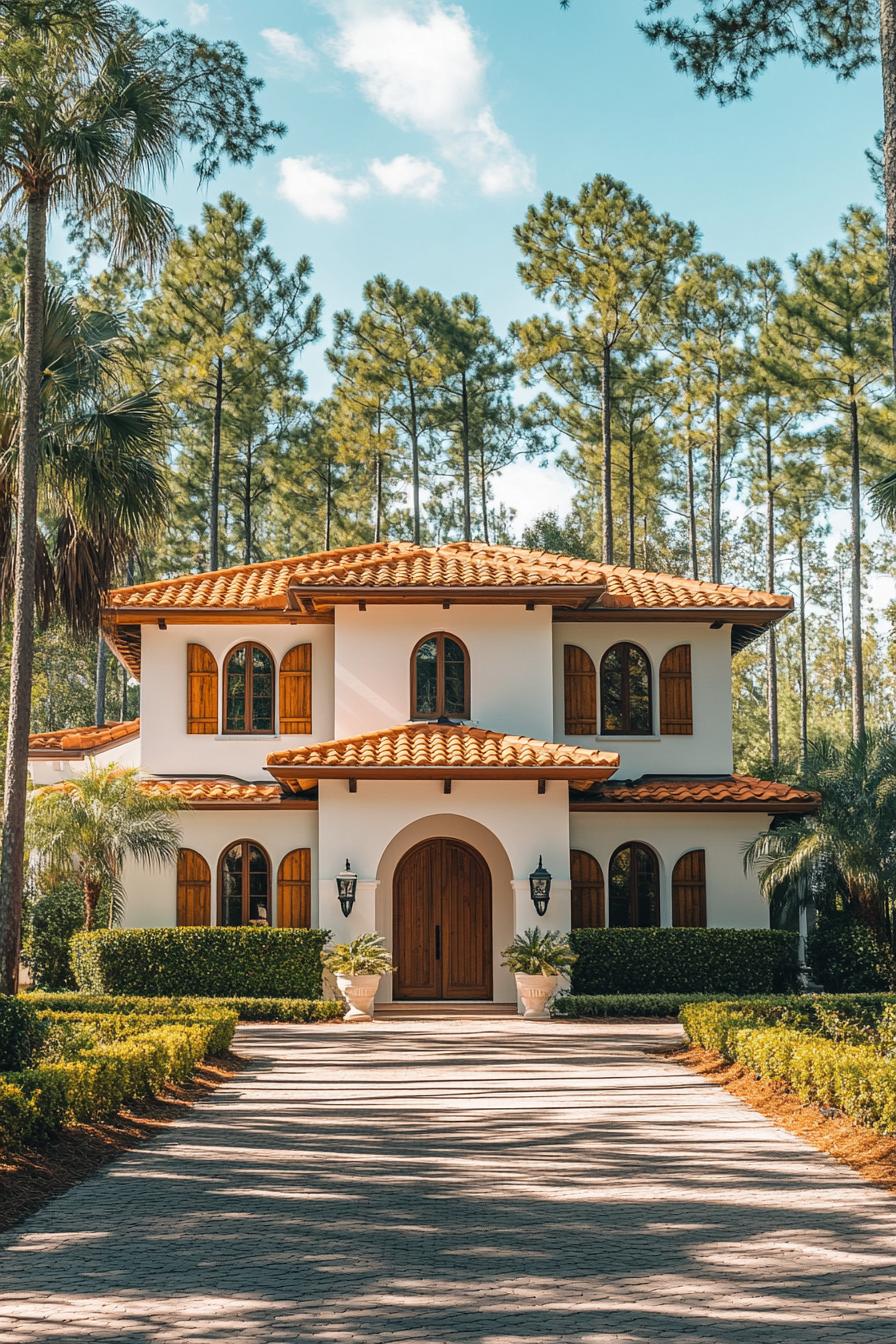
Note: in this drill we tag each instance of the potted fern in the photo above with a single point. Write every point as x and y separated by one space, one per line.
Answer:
358 966
538 958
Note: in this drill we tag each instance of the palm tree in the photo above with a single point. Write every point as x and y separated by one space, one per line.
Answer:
94 104
101 479
845 855
85 829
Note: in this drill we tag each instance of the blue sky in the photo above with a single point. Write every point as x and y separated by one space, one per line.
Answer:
419 131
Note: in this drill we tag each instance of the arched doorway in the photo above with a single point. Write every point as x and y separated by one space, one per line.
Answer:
442 922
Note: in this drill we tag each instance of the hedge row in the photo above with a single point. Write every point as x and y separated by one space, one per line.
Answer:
68 1035
622 1005
856 1079
37 1101
848 1018
208 962
247 1009
684 961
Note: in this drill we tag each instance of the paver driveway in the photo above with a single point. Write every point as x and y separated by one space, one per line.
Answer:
444 1181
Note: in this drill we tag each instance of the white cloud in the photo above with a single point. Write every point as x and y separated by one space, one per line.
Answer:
289 47
406 175
420 68
314 192
196 14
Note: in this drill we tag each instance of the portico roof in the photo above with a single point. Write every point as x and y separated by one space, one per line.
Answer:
439 751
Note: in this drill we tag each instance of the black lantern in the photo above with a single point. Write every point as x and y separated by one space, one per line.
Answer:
540 887
347 886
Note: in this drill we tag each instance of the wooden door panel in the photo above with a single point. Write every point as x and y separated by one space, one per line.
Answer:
414 918
466 924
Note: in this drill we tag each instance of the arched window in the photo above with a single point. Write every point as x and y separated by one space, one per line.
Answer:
249 690
634 887
625 705
440 678
244 885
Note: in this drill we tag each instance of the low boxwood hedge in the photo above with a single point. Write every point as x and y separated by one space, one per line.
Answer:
622 1005
852 1018
247 1009
684 961
212 962
21 1033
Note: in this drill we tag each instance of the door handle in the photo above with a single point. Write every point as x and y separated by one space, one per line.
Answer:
438 942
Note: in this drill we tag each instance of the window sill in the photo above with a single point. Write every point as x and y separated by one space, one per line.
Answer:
629 737
247 737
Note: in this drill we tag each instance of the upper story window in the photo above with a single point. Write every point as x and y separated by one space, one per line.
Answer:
249 690
440 679
625 701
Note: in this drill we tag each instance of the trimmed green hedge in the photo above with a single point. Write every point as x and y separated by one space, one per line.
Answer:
214 962
247 1009
36 1102
856 1079
684 961
850 1018
21 1033
622 1005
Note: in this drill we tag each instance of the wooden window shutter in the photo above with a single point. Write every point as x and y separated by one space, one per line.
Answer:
194 889
294 890
676 708
295 690
202 690
587 890
689 891
579 692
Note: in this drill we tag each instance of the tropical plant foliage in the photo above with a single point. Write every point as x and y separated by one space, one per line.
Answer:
365 955
539 952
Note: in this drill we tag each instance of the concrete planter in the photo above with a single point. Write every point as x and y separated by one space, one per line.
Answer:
535 992
359 991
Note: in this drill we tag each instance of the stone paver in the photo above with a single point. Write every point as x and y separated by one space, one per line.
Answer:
487 1181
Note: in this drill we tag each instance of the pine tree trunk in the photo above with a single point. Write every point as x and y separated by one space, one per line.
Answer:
247 507
101 666
773 740
465 442
631 496
378 497
483 493
715 487
804 657
888 71
215 492
607 468
91 901
692 505
858 667
22 652
415 459
329 515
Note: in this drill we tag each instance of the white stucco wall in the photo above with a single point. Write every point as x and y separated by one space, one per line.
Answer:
733 899
510 664
708 750
167 747
152 893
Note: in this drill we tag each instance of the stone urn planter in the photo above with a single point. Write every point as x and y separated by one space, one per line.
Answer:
538 958
359 992
536 991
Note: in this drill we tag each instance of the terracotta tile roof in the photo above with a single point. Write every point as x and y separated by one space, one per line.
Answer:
82 741
397 566
219 792
743 792
432 751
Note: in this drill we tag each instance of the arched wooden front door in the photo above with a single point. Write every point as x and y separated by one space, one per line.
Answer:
442 923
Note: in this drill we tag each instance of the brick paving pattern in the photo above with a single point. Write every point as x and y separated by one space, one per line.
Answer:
435 1181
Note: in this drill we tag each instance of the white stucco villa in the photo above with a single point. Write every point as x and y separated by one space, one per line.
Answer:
440 717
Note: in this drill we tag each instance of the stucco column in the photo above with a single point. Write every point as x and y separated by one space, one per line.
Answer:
362 918
558 914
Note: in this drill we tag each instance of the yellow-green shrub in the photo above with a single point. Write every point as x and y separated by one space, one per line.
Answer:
249 1008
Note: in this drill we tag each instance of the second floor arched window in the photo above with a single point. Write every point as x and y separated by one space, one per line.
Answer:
625 699
248 690
440 678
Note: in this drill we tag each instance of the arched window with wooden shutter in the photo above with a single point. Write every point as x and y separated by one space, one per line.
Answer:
294 890
676 708
689 891
295 690
202 690
587 890
194 889
579 692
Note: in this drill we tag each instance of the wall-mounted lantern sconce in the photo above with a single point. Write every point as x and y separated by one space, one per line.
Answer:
347 886
540 887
